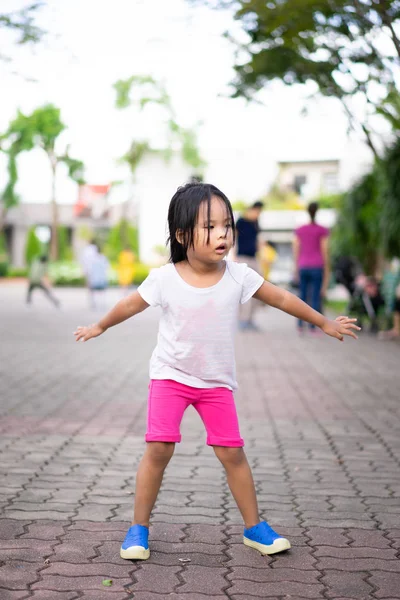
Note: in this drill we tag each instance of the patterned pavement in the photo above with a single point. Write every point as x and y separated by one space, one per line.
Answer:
322 430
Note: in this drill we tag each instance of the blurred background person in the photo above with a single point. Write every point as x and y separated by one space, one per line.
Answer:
247 247
267 257
97 278
311 259
126 269
394 333
38 278
86 257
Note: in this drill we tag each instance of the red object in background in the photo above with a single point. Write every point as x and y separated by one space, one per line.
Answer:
92 201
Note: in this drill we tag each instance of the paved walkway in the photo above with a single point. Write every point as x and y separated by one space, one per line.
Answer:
321 423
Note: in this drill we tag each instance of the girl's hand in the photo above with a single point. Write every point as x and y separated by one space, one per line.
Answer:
340 327
84 334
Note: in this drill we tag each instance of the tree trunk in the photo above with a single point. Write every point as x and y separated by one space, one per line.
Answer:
3 214
54 210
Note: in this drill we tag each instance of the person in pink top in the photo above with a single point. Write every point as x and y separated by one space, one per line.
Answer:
310 249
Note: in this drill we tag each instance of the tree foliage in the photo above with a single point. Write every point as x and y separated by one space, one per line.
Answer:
340 45
368 225
22 25
122 235
140 91
40 129
33 246
390 201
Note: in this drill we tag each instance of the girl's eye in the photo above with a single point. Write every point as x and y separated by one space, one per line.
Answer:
229 225
208 227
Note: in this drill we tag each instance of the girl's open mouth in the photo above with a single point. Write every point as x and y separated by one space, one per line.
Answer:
221 248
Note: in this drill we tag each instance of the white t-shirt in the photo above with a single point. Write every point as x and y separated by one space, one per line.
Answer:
195 343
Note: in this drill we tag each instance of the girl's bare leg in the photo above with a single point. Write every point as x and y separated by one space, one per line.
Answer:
240 481
148 479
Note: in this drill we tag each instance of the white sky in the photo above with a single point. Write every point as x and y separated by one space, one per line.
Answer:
93 44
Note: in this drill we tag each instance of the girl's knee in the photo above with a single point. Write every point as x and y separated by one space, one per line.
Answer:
230 456
160 452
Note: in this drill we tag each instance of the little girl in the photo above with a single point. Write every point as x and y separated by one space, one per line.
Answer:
199 293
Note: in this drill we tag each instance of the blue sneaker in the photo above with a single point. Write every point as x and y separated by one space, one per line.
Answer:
136 543
264 539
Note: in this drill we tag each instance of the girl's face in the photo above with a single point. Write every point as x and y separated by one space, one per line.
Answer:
212 239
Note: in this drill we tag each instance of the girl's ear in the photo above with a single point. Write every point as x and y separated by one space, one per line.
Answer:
179 236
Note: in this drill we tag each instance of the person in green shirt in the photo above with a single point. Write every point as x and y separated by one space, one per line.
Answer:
38 278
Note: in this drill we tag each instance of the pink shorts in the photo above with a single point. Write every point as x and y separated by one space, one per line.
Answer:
169 399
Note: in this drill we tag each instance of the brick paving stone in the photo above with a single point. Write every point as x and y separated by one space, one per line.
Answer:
53 595
80 583
13 595
17 575
38 514
94 512
44 530
284 588
241 555
269 575
10 529
205 534
323 536
176 596
156 578
353 553
359 564
348 585
325 462
106 594
102 528
200 579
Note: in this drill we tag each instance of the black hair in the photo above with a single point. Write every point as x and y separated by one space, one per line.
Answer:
312 210
183 214
258 204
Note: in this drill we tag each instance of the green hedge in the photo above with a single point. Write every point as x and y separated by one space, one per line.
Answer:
17 272
69 273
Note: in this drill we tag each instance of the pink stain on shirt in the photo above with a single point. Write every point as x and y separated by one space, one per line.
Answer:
310 236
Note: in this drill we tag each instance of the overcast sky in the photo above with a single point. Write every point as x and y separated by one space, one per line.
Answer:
92 44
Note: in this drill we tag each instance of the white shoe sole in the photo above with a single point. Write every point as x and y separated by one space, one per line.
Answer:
135 553
279 545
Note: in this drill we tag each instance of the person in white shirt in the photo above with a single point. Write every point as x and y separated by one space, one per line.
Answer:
199 293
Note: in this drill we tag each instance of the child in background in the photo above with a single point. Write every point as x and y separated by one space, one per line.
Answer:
268 256
97 277
38 278
193 363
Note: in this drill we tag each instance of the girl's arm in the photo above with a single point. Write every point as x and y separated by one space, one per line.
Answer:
291 304
123 310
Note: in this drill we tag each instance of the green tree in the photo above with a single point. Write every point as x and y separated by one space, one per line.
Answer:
141 91
22 23
64 247
390 201
123 234
40 129
348 48
33 246
358 231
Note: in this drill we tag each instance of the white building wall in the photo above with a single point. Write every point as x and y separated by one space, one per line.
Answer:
156 183
314 172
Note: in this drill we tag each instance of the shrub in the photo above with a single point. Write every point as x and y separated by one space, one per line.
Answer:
69 273
121 235
64 248
33 246
17 272
3 256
